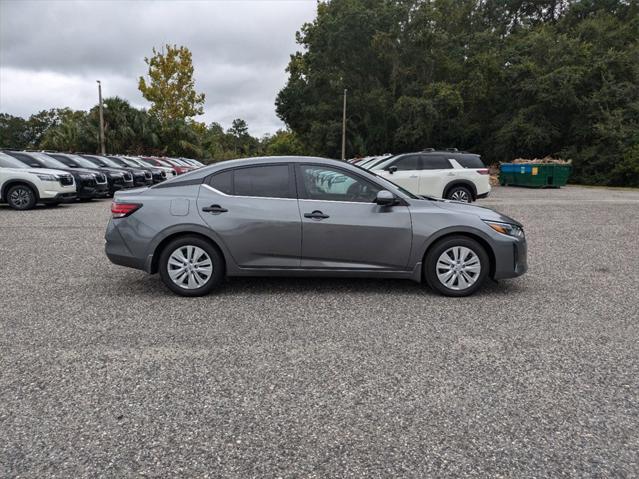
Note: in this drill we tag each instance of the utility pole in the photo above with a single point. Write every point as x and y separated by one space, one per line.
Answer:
344 127
102 148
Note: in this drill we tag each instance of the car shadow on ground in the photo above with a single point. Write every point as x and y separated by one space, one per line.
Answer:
6 208
152 285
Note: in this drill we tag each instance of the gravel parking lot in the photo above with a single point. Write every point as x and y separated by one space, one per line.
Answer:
103 372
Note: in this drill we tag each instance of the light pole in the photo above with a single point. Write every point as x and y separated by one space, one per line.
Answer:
344 127
102 148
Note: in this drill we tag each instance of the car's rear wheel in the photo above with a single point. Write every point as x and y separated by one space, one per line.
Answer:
21 197
191 266
456 266
460 193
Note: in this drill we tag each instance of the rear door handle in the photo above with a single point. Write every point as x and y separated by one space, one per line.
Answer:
215 209
316 215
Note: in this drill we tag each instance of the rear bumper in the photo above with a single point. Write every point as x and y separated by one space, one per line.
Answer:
118 252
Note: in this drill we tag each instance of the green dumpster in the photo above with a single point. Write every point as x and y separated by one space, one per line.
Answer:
534 175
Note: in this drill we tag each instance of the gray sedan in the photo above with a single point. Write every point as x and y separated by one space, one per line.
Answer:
303 216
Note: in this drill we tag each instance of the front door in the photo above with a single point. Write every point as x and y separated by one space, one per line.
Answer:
254 212
405 172
342 226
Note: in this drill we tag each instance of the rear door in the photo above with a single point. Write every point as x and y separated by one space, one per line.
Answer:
254 211
342 226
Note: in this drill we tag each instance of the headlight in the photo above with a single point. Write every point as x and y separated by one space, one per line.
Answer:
47 177
506 228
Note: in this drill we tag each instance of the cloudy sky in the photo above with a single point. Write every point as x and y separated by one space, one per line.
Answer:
53 51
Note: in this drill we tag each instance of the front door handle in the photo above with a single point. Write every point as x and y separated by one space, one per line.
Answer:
316 215
215 209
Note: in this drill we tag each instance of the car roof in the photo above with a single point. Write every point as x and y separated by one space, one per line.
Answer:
263 160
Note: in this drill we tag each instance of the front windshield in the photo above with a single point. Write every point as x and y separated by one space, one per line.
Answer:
110 162
83 162
49 162
130 163
117 161
7 161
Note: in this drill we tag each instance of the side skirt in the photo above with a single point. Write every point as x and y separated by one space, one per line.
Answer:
415 274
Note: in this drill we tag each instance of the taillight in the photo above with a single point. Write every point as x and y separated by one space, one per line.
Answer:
483 171
120 210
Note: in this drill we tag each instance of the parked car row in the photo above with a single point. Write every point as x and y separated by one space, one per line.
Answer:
452 174
31 177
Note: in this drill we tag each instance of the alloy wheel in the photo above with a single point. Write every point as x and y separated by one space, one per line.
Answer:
458 268
20 197
190 267
460 195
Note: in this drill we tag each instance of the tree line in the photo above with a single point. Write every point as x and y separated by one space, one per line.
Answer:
503 78
129 130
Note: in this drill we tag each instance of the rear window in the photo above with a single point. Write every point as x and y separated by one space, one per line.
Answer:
223 182
470 161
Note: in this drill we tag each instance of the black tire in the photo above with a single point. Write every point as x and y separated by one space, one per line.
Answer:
460 193
431 266
214 280
21 197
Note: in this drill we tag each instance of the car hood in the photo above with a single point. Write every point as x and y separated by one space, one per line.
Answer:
48 171
480 211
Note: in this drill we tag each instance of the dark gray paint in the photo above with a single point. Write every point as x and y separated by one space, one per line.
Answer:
271 236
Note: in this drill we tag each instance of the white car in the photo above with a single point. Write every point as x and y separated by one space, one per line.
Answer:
451 174
22 187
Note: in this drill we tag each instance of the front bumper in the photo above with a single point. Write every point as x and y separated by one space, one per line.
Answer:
511 258
60 198
95 190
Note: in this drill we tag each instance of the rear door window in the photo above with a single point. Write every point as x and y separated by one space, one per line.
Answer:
435 162
268 181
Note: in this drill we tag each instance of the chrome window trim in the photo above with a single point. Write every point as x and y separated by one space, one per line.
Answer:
251 197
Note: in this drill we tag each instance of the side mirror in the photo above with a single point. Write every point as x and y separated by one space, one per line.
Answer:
392 169
385 198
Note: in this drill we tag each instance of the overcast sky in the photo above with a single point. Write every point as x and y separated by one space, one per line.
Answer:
53 51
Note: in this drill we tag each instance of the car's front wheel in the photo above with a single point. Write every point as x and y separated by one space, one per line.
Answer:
21 197
460 193
456 266
191 266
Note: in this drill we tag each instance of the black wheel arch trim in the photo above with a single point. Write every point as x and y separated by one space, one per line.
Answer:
151 262
467 183
10 183
467 231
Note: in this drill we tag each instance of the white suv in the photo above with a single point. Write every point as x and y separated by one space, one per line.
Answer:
22 187
448 174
